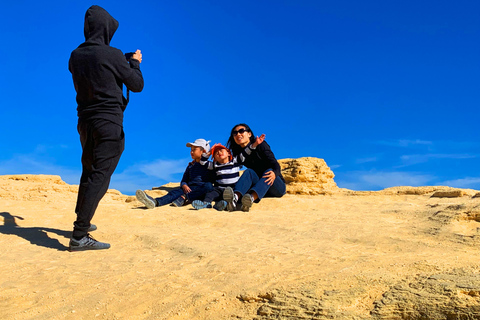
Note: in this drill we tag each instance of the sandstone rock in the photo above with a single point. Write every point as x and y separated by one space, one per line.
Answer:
286 305
45 188
454 193
404 190
303 305
309 176
130 199
442 296
35 178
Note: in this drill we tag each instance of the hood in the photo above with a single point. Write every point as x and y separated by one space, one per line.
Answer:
99 25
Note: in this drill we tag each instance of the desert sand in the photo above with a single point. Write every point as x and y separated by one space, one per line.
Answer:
320 252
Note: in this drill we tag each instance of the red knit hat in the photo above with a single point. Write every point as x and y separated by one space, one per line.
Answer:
217 147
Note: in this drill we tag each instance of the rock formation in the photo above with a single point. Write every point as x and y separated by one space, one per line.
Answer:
308 175
440 296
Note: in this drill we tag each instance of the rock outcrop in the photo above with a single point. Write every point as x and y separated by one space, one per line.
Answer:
309 176
432 191
42 188
441 296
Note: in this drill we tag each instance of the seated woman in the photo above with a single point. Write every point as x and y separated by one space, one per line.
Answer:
263 178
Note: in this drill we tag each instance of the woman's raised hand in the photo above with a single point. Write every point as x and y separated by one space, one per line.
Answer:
258 140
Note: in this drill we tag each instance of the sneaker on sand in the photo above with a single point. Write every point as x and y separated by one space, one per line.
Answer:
180 201
92 228
87 243
231 198
220 205
247 201
144 198
199 204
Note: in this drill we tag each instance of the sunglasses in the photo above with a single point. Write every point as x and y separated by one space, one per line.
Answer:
241 131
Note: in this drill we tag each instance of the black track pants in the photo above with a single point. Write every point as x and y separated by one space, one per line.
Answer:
103 143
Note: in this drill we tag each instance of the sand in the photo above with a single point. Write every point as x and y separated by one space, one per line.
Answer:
298 257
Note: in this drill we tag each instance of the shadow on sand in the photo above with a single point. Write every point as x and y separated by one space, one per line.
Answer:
35 235
165 188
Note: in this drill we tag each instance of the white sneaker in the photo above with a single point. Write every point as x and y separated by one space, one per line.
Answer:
231 198
144 198
247 201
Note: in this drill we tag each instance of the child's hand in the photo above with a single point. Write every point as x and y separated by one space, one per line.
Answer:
213 147
258 140
186 189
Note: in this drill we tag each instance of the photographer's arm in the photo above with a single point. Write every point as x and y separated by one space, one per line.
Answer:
137 55
130 72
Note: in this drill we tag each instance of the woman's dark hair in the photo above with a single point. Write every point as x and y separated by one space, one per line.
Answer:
232 145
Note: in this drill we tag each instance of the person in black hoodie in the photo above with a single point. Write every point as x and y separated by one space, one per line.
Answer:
263 178
99 72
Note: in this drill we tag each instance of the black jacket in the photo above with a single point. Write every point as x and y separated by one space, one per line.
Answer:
99 70
261 159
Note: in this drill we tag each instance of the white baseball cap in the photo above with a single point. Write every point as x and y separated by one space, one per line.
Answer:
200 143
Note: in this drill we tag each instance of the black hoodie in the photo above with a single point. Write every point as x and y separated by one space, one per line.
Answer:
99 70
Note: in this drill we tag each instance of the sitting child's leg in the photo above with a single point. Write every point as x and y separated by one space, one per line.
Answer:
151 203
199 191
210 196
144 198
169 197
180 201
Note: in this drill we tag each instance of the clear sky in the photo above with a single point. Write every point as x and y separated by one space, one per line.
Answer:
387 92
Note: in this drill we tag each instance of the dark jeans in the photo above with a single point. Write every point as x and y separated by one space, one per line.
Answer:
250 181
103 143
197 193
214 195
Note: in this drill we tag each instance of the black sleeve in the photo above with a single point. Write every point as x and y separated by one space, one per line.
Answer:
185 178
269 158
134 82
129 72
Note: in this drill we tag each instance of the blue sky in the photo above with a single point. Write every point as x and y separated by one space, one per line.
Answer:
386 92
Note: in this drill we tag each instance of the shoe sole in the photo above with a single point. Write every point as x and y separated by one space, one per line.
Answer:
220 205
228 196
247 203
142 197
73 249
197 204
178 205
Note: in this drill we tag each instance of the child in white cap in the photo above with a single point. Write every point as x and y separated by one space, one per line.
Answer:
196 181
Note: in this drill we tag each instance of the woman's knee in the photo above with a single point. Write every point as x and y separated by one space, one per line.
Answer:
249 172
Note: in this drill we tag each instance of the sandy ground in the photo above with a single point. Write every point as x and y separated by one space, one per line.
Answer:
340 251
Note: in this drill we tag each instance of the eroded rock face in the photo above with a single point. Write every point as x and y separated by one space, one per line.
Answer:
454 193
302 305
42 188
308 175
442 296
